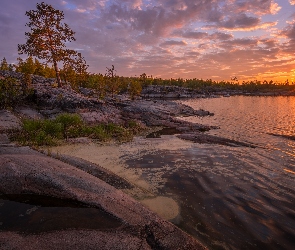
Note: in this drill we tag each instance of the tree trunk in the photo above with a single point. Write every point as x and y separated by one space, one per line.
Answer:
57 74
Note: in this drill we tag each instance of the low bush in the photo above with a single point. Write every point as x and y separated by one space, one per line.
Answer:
52 132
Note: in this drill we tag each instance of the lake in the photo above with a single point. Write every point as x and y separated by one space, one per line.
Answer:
231 197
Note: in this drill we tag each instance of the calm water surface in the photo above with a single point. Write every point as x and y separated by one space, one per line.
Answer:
232 197
251 119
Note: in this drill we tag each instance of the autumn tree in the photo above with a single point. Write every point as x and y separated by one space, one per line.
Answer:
48 36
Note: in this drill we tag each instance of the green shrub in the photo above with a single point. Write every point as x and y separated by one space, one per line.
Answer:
99 132
134 126
42 139
68 120
40 132
51 132
53 128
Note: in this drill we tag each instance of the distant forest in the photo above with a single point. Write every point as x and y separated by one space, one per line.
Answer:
111 83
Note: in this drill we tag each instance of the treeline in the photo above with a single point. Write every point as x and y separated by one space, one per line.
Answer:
110 83
212 86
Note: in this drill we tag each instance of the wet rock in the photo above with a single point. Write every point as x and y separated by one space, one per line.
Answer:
164 113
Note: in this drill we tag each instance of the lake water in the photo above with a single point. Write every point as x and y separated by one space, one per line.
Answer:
251 119
231 197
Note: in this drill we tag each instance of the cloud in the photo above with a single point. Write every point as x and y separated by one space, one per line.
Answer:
221 36
268 43
192 34
241 22
289 32
162 16
292 2
173 43
258 7
245 43
199 35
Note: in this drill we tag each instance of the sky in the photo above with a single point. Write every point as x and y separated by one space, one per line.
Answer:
208 39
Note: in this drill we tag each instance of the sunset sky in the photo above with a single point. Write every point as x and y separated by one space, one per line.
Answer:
217 39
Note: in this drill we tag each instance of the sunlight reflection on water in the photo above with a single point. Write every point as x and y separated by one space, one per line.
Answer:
250 119
232 198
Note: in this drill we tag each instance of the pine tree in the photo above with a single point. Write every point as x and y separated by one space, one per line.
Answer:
48 36
39 68
4 65
112 80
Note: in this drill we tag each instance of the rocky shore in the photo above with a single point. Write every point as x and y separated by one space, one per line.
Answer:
24 171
